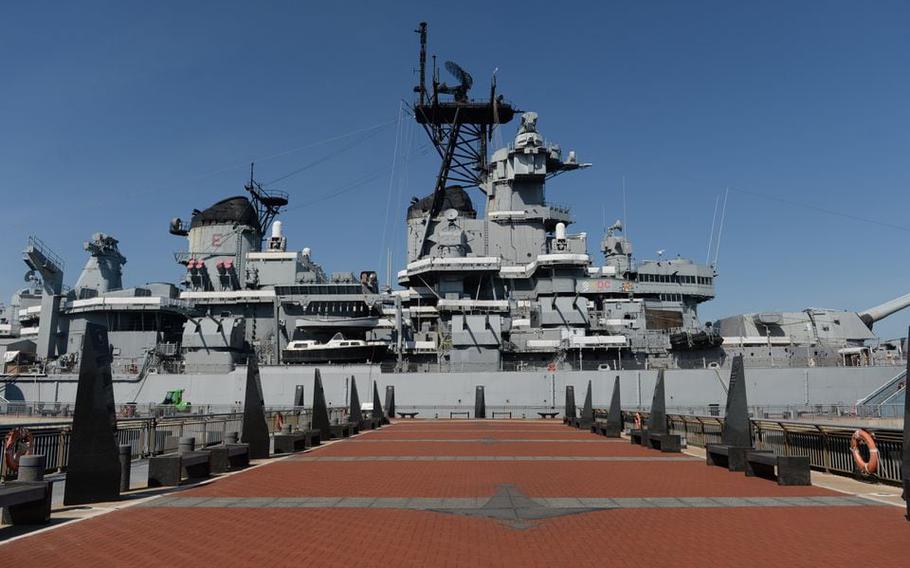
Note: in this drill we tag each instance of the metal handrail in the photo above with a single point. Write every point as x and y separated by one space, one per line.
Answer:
826 445
155 435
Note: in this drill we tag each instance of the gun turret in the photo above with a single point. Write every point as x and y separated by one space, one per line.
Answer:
882 311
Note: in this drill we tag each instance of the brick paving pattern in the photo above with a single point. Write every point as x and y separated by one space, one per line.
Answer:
479 498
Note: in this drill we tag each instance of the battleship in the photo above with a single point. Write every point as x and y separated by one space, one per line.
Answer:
499 294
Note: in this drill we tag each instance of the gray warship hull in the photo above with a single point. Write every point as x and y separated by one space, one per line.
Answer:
524 392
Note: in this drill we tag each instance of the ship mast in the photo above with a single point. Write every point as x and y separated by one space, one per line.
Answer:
458 127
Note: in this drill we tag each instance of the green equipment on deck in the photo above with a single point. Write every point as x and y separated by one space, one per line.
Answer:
175 398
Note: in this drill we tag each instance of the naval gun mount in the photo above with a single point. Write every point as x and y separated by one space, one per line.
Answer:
821 336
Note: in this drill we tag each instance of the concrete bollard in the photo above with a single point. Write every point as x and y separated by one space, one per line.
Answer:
126 457
186 444
231 438
31 467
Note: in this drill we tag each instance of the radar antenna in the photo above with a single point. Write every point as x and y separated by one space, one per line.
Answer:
268 203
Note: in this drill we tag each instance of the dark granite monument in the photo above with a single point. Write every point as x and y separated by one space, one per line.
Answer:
587 412
255 428
613 428
378 415
480 403
736 438
93 468
356 414
320 409
657 417
570 412
390 401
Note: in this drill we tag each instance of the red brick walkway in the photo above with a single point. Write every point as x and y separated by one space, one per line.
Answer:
401 510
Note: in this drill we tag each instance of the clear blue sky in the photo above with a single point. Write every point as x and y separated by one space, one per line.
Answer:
117 116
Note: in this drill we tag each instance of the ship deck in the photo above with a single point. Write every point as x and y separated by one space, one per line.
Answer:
479 493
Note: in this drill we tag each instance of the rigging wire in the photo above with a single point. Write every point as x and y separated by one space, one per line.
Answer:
822 209
325 157
246 163
388 202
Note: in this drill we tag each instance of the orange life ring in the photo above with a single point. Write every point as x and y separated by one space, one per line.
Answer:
870 467
17 444
637 421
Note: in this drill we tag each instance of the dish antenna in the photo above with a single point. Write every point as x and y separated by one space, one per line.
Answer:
465 82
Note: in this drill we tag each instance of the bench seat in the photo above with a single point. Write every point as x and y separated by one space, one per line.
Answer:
731 457
548 415
786 470
26 502
410 415
668 443
229 457
169 469
341 430
607 430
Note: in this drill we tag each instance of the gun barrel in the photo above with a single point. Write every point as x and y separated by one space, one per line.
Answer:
882 311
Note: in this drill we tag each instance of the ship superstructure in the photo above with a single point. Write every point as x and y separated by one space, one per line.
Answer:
495 288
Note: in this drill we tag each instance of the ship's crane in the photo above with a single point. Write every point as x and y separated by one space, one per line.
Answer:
43 261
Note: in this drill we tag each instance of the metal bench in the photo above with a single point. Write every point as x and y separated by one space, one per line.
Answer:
786 470
26 502
548 415
503 413
453 414
731 457
410 415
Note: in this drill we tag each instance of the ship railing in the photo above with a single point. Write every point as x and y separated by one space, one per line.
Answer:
827 445
148 435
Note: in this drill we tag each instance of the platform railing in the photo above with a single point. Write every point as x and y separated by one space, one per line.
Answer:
157 434
826 445
502 411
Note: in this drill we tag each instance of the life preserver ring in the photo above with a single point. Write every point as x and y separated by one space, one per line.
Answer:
17 444
870 467
637 421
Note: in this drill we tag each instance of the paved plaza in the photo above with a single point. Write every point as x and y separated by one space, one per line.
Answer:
481 493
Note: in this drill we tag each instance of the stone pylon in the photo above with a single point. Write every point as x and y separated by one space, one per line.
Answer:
614 416
378 415
320 409
587 411
570 412
737 426
93 469
356 413
390 401
255 431
657 418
